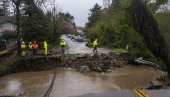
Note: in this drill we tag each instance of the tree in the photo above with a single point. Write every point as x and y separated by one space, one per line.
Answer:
5 7
145 24
1 12
17 4
95 13
154 6
115 2
106 3
36 26
164 25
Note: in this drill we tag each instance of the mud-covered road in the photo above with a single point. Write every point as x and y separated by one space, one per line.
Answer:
79 47
71 83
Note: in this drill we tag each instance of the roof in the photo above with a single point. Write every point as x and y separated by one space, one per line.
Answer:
4 19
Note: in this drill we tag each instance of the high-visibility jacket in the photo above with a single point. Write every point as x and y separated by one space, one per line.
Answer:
35 46
30 46
23 52
45 44
95 43
23 46
45 48
63 43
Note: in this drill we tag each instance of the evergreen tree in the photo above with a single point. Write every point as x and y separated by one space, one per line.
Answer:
36 26
95 13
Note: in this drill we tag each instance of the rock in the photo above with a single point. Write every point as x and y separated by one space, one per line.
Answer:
99 69
93 56
113 53
109 70
155 85
81 55
103 56
84 69
73 57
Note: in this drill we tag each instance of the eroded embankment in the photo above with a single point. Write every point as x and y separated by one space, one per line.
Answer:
99 62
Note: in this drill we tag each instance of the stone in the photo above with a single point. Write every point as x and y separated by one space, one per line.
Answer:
73 57
81 55
99 69
84 69
103 56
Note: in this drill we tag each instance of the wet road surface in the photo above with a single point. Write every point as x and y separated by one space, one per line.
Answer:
79 47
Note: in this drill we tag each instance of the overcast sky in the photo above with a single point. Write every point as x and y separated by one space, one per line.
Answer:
78 8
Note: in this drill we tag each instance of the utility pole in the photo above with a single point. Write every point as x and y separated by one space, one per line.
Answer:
54 24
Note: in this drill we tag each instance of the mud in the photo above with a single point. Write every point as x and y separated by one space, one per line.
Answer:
69 82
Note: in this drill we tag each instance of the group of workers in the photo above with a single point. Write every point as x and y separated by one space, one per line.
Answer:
33 47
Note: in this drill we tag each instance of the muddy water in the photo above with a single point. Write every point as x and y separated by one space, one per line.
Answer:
71 83
28 84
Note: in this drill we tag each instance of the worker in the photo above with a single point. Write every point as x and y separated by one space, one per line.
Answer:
23 49
95 45
30 48
62 44
45 48
35 47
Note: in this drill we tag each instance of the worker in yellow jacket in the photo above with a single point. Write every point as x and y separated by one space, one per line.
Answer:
63 44
23 49
30 49
45 48
95 44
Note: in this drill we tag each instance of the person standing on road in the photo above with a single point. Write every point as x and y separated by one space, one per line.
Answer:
45 45
62 44
23 49
35 47
95 43
30 48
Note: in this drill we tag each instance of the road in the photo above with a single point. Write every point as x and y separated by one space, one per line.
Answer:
79 47
69 83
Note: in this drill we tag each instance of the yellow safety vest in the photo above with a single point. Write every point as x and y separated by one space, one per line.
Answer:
23 46
63 43
30 46
45 45
95 43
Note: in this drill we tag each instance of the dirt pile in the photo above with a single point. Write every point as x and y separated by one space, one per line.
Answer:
99 62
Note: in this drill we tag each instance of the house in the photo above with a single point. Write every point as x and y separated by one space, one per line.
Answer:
7 24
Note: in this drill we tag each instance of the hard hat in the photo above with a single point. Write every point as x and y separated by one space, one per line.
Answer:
30 42
23 42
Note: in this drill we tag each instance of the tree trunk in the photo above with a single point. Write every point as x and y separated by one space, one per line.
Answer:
18 27
144 23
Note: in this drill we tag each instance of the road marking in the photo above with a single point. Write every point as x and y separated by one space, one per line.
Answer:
140 93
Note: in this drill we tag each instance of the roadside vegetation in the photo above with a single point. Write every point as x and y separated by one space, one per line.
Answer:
113 27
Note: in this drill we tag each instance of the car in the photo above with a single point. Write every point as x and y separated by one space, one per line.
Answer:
79 39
